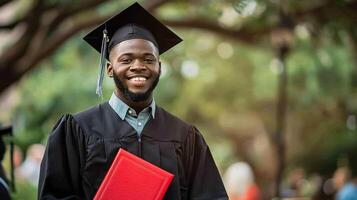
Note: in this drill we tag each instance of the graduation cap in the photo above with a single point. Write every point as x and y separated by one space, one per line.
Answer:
132 23
3 132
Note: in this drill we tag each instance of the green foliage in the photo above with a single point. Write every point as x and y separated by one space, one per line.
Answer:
335 147
320 72
24 190
64 84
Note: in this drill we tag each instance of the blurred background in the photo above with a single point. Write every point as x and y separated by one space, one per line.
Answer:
271 84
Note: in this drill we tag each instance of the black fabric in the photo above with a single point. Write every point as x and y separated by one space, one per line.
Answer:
131 31
82 147
4 189
135 14
4 192
7 131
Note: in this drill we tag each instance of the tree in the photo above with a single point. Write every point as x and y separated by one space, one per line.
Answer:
48 24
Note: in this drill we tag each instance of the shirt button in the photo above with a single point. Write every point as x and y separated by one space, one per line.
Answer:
130 112
139 123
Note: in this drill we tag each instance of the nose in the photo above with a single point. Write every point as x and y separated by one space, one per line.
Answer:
137 65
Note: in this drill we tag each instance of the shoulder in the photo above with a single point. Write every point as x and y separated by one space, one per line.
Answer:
78 125
170 118
185 129
172 121
92 117
89 113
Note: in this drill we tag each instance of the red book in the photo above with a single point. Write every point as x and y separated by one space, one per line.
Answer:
132 178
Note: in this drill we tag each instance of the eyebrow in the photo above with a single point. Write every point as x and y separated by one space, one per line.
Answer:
131 54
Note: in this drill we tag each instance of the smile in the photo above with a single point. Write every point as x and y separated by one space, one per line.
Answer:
138 78
138 81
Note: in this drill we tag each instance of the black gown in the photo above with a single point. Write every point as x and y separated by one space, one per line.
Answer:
82 147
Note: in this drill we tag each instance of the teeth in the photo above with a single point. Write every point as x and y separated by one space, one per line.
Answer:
139 78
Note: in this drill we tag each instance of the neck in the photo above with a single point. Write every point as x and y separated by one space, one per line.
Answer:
138 106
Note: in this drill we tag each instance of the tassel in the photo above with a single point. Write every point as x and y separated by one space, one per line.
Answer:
102 63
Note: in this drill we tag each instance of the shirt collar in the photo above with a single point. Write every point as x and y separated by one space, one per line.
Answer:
122 108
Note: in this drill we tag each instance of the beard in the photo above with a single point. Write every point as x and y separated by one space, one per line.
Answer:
135 97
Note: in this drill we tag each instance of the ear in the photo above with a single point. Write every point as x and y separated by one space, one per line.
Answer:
160 68
109 69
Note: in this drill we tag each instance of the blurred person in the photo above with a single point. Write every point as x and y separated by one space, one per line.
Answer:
311 185
30 168
330 186
349 190
340 177
18 157
295 184
240 184
82 146
325 190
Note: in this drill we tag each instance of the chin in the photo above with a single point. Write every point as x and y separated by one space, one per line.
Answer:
138 96
137 92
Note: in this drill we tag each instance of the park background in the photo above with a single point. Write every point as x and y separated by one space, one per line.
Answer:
272 83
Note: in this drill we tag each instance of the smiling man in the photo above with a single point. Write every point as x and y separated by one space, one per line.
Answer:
81 147
135 67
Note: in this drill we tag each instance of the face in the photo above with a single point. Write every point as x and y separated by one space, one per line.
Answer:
135 68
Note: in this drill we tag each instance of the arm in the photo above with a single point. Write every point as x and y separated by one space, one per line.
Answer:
61 165
204 180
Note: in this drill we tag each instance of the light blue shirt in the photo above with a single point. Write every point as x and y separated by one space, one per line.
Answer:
137 121
348 192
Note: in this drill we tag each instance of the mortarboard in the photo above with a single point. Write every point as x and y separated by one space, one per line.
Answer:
132 22
8 131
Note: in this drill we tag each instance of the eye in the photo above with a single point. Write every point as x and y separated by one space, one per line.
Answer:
149 60
125 60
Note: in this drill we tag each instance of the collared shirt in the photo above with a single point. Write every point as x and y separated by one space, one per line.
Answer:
137 121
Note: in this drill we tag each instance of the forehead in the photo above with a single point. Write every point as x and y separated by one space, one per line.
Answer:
134 46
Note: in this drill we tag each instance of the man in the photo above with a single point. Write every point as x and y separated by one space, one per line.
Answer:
82 147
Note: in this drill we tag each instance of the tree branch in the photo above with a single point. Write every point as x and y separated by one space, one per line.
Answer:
151 5
27 61
19 48
243 35
39 6
250 36
9 75
330 10
10 25
32 58
66 11
71 9
4 2
57 39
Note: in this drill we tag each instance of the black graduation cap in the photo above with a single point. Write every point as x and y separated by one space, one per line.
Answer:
132 22
3 132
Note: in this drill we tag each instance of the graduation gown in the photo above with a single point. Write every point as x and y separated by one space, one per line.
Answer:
82 147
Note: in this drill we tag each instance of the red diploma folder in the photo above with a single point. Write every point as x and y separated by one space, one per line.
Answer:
132 178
